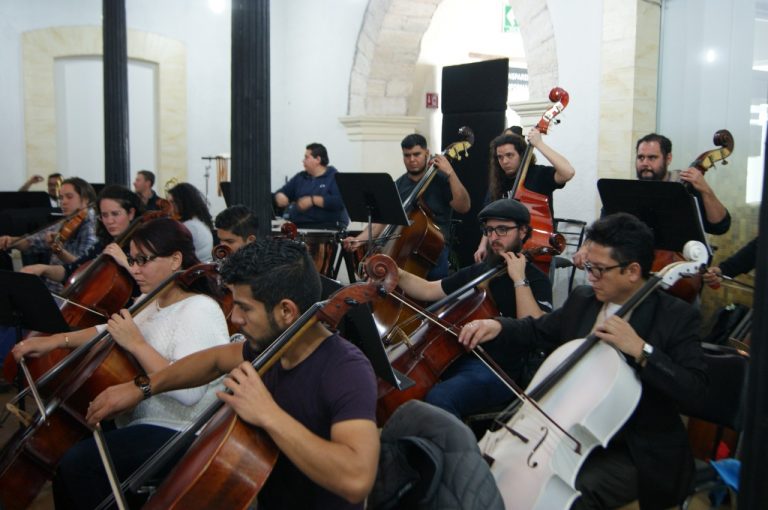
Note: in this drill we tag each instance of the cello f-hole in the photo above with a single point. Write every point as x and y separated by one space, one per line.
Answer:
532 463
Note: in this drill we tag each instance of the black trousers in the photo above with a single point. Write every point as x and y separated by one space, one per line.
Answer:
608 479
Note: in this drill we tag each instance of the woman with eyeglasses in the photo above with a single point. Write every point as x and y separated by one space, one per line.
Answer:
116 208
180 321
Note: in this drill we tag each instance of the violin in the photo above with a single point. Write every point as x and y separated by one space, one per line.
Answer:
230 454
71 222
68 229
30 457
689 288
542 228
579 398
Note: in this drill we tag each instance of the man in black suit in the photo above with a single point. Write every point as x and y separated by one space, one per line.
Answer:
649 458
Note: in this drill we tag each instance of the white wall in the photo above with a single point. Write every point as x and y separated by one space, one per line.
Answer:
578 29
313 44
312 47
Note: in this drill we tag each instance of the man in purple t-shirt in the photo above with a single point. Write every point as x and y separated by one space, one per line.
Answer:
317 402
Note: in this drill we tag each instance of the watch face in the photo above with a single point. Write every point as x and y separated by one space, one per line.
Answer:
142 380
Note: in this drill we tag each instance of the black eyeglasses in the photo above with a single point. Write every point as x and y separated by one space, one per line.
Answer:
500 231
598 272
140 259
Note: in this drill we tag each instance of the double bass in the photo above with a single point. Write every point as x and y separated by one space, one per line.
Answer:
578 400
688 289
542 227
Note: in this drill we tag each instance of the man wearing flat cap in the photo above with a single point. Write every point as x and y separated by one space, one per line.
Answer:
468 386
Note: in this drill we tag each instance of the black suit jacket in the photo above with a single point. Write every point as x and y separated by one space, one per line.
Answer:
675 373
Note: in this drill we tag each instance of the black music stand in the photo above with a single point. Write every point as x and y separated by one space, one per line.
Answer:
667 207
371 197
358 327
26 303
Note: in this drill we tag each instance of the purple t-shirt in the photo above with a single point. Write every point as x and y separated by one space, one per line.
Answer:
335 383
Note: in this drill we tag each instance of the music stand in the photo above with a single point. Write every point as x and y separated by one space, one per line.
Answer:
226 192
371 197
358 327
666 207
24 200
25 302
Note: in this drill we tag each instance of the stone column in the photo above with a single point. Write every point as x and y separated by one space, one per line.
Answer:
116 143
630 68
251 168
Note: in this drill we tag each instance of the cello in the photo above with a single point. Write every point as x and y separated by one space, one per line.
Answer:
30 457
416 247
96 290
230 461
688 289
580 397
426 353
542 228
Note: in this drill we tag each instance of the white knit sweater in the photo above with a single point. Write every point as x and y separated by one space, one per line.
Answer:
190 325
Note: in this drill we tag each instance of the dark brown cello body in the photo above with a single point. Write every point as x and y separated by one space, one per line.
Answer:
416 247
231 460
688 289
30 457
428 352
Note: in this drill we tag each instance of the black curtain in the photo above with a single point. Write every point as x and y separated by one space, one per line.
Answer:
474 95
753 489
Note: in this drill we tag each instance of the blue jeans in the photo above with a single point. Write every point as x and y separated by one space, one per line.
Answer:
440 270
468 387
81 481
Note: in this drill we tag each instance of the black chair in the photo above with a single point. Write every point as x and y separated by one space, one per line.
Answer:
721 405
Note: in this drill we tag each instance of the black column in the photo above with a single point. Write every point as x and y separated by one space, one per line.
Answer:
753 491
251 180
116 155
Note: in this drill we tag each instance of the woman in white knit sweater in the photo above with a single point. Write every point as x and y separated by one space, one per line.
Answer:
180 321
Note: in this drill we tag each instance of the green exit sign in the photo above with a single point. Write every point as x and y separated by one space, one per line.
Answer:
510 23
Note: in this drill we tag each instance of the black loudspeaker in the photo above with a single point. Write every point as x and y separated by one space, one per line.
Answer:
473 172
477 87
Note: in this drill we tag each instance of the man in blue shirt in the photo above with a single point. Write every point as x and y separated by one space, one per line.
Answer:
311 198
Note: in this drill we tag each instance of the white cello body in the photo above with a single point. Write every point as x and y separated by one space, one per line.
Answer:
591 402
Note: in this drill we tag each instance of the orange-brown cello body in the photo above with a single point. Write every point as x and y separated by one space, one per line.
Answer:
542 226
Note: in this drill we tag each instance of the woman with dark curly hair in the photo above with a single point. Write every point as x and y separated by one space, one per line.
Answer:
189 204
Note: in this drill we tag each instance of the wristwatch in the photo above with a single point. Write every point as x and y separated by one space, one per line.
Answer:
143 383
645 353
523 283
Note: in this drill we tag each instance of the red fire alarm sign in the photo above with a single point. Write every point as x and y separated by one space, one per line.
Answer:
432 100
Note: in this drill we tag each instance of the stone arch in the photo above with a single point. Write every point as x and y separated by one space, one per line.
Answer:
381 80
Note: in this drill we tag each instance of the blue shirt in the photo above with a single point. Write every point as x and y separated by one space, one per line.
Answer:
332 215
